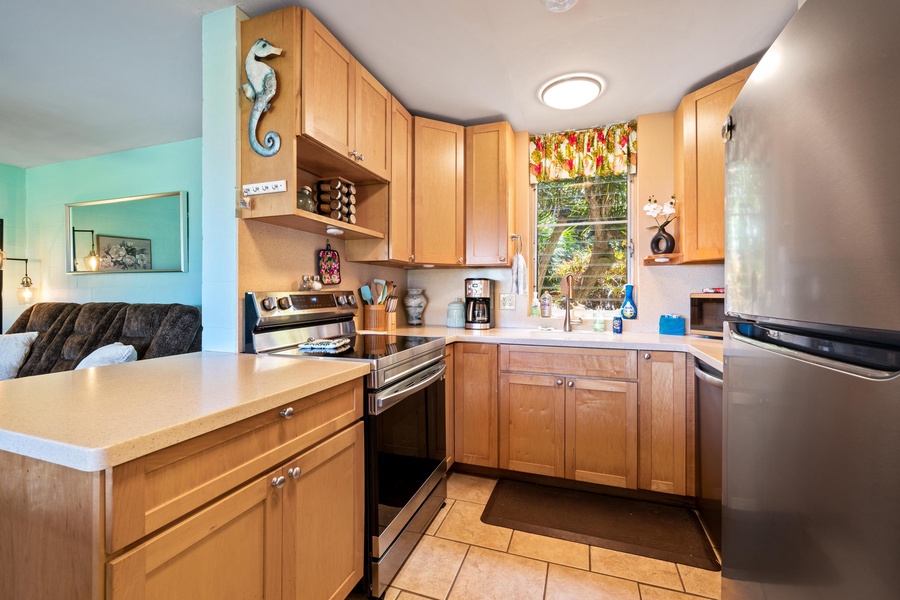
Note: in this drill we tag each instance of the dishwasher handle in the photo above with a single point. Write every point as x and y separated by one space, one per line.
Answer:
710 379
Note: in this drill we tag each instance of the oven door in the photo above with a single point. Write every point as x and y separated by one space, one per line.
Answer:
406 452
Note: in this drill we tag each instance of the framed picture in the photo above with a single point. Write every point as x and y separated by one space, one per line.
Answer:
119 253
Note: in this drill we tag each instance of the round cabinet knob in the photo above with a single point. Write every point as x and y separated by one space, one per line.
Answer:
362 157
647 356
278 482
284 303
295 472
412 258
502 259
287 413
559 382
268 303
354 154
459 260
571 384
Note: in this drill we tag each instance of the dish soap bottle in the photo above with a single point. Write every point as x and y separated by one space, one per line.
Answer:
629 308
545 304
535 306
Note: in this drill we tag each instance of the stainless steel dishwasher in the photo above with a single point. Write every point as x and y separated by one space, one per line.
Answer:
709 449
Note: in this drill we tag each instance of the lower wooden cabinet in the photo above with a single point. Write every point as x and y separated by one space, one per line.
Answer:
296 532
533 423
475 390
450 405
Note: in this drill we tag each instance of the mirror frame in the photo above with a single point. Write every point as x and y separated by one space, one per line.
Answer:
182 225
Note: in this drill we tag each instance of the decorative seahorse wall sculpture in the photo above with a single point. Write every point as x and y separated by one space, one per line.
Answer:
259 90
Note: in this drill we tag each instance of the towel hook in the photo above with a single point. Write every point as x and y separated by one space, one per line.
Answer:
518 239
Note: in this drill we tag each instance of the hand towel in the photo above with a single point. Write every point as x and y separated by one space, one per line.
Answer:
330 346
519 275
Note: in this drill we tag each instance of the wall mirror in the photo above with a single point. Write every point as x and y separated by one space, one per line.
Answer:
141 234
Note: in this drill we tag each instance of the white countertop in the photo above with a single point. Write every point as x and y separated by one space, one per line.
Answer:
707 350
98 418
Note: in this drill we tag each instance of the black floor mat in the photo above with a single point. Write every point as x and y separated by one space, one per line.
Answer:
659 531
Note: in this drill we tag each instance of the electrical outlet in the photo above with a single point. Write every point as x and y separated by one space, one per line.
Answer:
507 301
267 187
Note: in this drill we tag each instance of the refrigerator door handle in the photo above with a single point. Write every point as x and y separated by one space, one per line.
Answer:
850 369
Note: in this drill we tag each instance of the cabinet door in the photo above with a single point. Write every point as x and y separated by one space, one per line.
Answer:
602 431
450 413
700 167
328 88
400 233
373 124
438 193
231 549
532 423
663 416
490 193
475 374
323 519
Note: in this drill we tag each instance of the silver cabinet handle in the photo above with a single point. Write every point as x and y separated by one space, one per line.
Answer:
459 260
295 472
278 482
647 356
354 154
559 382
361 157
502 259
287 413
571 384
412 257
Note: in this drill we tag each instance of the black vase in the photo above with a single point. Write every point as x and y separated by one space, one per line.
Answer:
662 242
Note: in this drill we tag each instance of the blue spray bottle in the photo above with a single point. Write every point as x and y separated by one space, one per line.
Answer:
629 308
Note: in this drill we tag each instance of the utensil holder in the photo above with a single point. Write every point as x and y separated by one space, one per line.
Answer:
377 319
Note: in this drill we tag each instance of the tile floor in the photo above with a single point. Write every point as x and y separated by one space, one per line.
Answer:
462 558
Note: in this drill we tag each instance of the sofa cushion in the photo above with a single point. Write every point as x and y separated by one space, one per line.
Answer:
14 348
113 354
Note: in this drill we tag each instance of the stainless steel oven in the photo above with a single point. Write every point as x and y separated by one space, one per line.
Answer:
406 454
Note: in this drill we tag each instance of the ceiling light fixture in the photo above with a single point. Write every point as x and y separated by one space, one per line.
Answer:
571 91
558 5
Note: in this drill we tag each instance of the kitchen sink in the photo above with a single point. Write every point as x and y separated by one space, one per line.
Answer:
577 333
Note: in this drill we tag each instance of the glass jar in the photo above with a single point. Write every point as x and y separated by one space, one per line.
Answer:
305 199
456 313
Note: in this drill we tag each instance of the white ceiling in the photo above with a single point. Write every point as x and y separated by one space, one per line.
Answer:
92 77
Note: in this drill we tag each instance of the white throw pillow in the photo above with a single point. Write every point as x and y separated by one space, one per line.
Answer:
108 355
14 348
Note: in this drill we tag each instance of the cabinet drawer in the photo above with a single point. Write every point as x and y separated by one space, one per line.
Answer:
147 493
578 362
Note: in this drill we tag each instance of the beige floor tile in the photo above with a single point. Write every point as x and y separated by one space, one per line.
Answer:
655 593
636 568
552 550
408 596
392 593
701 582
463 524
564 583
490 575
431 568
470 488
439 518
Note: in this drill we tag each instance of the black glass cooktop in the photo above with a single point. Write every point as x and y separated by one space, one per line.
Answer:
374 347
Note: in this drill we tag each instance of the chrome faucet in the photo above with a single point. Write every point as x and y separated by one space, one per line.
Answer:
568 321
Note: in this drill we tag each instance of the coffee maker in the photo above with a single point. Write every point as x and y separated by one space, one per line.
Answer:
479 303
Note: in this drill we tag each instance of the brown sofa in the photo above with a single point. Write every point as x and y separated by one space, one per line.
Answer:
68 332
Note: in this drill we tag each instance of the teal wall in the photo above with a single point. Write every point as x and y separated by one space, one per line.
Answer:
156 169
12 211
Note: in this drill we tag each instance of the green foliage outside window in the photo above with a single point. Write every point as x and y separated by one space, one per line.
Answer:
582 228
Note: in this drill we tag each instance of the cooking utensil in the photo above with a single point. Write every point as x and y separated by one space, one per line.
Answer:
382 291
366 294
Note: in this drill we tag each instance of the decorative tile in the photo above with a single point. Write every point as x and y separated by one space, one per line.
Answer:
636 568
655 593
549 549
431 568
701 582
564 583
439 518
490 575
463 524
470 488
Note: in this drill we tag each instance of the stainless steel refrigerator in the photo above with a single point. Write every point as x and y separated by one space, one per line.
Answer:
811 499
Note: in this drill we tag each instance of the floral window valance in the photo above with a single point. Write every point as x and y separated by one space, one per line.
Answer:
597 152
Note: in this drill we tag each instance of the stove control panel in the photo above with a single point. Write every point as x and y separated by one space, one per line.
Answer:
280 308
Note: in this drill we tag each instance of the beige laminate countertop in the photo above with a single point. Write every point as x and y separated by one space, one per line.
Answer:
98 418
707 350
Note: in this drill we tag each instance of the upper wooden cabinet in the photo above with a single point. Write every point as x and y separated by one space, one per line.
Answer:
490 193
438 178
700 167
389 208
342 105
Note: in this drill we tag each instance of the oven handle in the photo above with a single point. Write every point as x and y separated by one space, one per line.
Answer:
404 389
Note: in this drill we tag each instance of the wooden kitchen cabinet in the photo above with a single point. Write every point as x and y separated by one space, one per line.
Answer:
532 423
475 396
438 193
666 423
700 168
490 194
390 208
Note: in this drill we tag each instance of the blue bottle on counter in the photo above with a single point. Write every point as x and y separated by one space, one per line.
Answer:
629 308
617 322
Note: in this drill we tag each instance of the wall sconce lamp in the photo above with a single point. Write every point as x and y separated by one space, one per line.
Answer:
91 260
25 293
